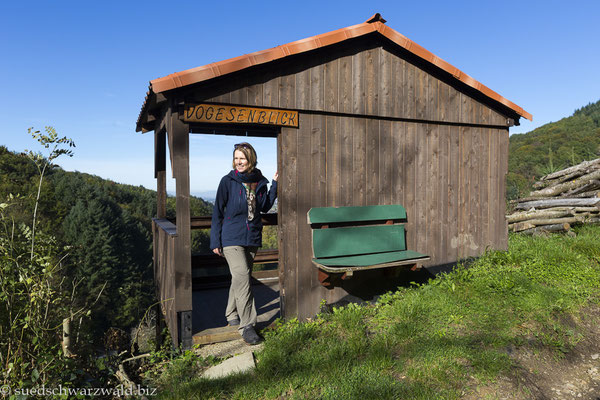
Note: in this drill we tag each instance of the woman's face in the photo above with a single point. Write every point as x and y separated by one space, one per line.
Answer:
240 161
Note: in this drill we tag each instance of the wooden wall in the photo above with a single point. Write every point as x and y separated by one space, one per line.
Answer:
450 179
376 127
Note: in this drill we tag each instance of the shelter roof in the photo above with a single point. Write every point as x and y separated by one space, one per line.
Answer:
374 24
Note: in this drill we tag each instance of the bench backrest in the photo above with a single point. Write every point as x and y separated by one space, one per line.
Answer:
327 215
361 239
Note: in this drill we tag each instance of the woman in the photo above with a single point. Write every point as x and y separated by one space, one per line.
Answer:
236 232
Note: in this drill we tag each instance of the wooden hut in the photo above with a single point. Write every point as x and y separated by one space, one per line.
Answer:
362 116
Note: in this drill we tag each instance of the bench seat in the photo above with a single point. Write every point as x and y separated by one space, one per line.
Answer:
369 261
349 239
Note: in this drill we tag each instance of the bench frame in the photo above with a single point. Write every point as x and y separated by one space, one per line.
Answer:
329 274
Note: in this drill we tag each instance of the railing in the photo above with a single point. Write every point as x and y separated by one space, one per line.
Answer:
210 270
165 234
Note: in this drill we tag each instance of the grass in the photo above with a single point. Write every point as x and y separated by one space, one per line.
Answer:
434 340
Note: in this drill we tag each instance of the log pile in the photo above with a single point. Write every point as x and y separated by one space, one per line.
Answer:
562 199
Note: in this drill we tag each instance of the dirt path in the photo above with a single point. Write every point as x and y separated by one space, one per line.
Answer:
542 374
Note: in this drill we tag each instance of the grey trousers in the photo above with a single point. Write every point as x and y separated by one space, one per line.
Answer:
241 300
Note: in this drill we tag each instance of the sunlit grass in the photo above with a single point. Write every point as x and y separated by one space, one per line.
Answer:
426 341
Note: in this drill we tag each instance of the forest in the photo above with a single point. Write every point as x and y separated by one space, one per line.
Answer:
552 147
76 246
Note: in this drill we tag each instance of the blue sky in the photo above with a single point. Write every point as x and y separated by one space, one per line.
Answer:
84 67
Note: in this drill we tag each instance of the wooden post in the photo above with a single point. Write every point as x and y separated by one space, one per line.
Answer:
183 257
160 173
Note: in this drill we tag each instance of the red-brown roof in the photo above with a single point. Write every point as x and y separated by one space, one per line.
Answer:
373 24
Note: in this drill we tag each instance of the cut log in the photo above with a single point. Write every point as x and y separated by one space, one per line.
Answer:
572 169
553 221
565 187
565 178
588 187
538 214
521 226
586 209
559 202
547 228
585 195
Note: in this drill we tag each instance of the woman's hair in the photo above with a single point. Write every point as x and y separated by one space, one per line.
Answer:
249 152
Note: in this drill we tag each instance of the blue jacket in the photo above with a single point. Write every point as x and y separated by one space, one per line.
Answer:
230 225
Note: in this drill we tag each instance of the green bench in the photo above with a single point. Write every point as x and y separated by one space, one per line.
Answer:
349 239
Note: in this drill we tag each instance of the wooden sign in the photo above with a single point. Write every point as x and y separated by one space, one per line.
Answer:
221 114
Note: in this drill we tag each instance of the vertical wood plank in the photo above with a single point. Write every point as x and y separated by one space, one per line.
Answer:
410 105
183 255
454 169
371 80
410 186
289 205
254 94
271 92
422 81
346 157
303 89
287 91
307 288
319 190
443 191
493 186
421 200
385 85
330 78
240 96
160 174
398 162
372 162
444 171
484 178
333 162
503 225
282 225
476 222
398 87
359 179
317 88
433 234
385 163
358 85
346 84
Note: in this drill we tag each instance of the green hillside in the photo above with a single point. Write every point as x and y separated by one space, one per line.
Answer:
106 227
552 147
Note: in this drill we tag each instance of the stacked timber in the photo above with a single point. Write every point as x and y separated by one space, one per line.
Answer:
562 199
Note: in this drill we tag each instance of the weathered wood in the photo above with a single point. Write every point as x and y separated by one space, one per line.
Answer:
567 186
521 226
183 262
305 274
160 173
546 229
554 221
542 184
538 214
346 156
359 170
558 202
289 207
570 170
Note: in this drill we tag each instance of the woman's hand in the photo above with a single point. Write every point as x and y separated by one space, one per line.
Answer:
218 252
276 176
